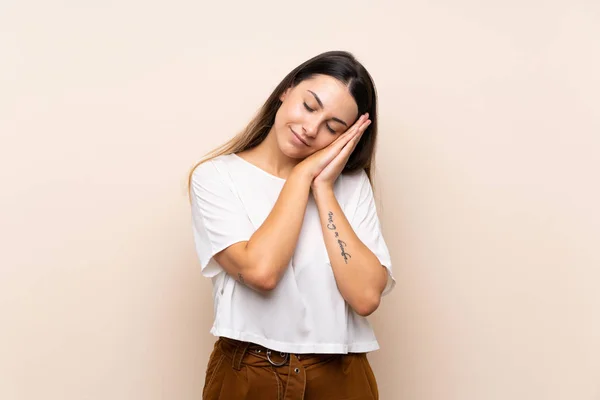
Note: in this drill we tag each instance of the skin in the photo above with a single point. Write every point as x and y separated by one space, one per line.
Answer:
279 153
309 145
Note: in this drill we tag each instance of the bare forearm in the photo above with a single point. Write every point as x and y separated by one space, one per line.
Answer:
358 273
272 245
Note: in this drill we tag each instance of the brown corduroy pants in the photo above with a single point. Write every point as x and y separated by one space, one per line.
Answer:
241 370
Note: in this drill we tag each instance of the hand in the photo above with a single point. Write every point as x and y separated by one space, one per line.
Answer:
328 175
318 161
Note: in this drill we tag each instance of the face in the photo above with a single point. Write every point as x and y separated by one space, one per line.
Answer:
312 115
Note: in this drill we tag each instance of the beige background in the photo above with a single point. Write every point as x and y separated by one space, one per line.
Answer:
487 175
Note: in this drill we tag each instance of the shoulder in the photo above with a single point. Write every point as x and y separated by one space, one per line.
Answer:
353 181
350 185
357 177
212 175
212 169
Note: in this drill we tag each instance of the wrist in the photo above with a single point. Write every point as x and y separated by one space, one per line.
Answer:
322 189
300 172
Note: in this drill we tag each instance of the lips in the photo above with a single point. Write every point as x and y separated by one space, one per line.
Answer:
299 138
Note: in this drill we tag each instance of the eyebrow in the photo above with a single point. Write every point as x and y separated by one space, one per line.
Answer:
321 104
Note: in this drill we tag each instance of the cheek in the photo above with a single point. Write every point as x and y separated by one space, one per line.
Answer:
325 139
290 112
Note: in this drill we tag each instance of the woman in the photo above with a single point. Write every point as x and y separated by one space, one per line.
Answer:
285 225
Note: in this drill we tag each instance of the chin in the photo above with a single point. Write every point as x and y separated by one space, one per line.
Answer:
291 152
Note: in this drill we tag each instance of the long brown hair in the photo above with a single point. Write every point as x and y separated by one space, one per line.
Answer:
337 64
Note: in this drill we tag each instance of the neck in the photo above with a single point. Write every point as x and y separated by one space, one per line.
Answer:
269 157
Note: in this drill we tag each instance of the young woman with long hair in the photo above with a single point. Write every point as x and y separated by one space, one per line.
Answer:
285 225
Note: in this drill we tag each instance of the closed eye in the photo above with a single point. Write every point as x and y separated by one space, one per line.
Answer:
308 108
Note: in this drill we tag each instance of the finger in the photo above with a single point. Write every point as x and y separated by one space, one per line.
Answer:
356 130
356 124
356 138
365 123
361 120
345 149
349 148
343 140
359 130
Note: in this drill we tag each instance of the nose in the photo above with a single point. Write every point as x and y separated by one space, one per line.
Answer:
311 127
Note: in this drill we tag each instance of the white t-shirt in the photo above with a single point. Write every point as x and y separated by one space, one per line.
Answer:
305 313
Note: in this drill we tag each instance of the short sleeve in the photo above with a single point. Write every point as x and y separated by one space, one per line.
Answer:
365 223
218 215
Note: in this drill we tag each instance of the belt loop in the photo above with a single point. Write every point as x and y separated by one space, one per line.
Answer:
238 354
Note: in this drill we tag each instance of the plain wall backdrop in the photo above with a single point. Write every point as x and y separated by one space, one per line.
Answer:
487 177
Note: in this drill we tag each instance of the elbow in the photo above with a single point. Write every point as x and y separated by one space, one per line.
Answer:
265 284
367 305
264 280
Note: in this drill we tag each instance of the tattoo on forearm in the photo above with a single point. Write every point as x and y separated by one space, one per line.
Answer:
331 226
241 278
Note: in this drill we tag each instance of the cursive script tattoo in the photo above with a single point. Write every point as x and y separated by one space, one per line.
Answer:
331 226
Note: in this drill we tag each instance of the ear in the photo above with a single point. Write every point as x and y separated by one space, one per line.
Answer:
284 94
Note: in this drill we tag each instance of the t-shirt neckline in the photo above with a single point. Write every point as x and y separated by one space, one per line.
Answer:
258 168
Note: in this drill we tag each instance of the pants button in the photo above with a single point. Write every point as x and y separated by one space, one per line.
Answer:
296 370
